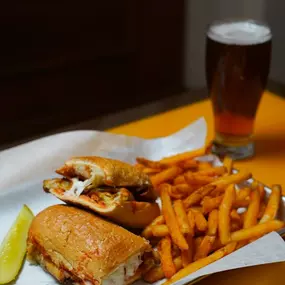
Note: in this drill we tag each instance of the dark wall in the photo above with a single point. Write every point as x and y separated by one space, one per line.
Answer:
274 15
63 62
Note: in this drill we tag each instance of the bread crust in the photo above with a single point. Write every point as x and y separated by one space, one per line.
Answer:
116 172
81 243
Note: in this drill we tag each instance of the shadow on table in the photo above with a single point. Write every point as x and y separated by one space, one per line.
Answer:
270 145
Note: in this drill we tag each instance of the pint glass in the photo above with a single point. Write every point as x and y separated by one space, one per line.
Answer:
238 55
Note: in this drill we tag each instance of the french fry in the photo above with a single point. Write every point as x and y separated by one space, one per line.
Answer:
178 263
250 218
196 244
256 185
235 226
257 230
149 163
213 220
222 182
165 175
147 265
218 191
224 214
196 265
158 220
147 232
184 189
261 190
213 171
186 258
198 240
160 230
203 165
175 159
230 247
217 244
187 255
173 193
198 195
181 216
236 178
196 208
151 171
262 208
209 204
139 166
175 250
243 193
170 218
180 179
241 244
228 164
191 221
189 164
235 217
272 205
241 203
206 198
195 178
181 191
167 263
156 255
153 275
205 247
156 273
200 221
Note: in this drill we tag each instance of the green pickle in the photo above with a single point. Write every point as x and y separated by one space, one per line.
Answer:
13 247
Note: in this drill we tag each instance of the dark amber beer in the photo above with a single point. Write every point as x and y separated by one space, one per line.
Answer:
238 57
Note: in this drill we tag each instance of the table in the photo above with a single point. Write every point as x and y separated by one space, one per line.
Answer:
267 165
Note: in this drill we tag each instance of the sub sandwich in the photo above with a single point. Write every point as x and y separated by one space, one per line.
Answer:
109 187
79 248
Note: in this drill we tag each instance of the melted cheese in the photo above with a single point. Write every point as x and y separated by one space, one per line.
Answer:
79 186
124 272
96 179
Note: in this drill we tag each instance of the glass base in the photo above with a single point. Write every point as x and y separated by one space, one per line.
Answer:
235 152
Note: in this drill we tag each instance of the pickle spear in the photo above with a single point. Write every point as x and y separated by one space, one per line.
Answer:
13 247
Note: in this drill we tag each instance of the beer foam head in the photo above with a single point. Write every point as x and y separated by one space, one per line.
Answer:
239 33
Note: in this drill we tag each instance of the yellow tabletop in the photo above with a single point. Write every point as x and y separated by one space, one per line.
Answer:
267 165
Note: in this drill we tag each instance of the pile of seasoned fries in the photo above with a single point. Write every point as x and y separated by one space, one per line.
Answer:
205 216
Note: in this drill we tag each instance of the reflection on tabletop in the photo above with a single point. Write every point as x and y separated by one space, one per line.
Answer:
263 275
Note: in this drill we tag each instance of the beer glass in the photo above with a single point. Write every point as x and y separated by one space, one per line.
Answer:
238 54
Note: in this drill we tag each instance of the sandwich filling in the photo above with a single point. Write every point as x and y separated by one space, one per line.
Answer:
79 186
124 272
95 183
104 196
119 276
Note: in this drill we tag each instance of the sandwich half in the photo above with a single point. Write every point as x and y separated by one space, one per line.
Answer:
77 247
109 187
